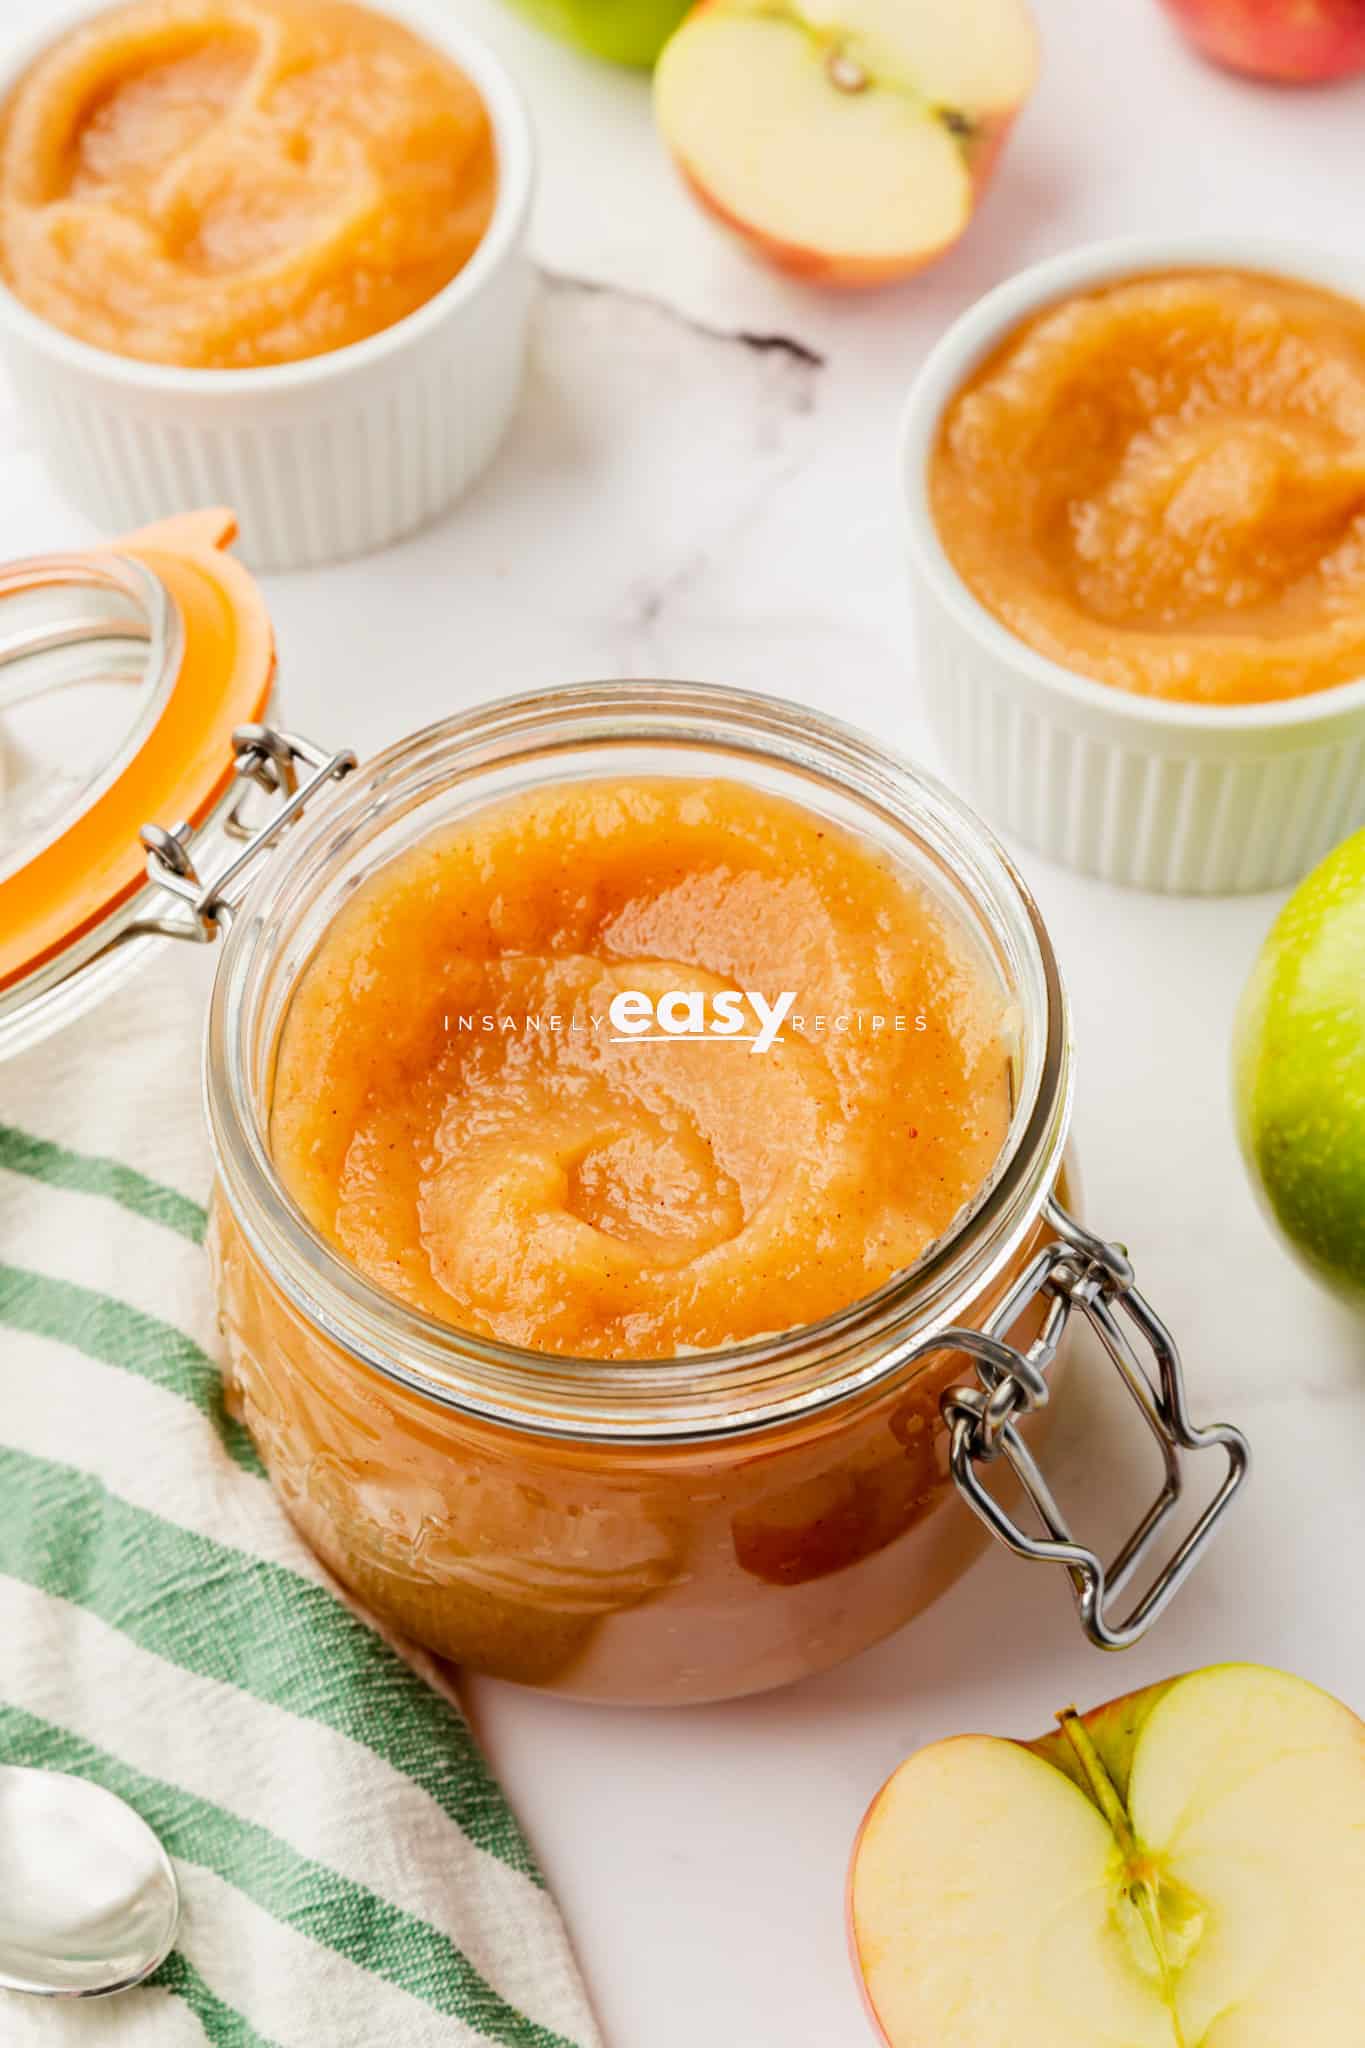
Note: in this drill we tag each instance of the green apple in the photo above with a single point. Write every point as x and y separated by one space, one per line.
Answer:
623 31
1181 1869
1299 1069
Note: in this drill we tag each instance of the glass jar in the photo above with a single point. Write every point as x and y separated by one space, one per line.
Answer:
688 1528
124 672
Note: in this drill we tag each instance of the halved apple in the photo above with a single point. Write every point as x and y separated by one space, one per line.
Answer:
1184 1868
847 140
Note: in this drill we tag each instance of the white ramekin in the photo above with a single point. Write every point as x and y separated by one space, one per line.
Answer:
1194 799
320 459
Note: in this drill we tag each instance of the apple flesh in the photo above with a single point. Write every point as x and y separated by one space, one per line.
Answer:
1293 42
847 141
1184 1868
1299 1070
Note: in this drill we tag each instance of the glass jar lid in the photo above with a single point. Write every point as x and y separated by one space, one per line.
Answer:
123 674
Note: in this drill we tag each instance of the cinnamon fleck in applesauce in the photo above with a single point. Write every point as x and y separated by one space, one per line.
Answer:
226 184
1161 484
463 1107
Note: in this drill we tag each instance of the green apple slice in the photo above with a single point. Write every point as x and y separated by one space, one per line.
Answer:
1185 1869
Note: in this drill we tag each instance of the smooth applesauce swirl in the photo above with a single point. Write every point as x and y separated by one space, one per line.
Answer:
1161 484
226 184
457 1110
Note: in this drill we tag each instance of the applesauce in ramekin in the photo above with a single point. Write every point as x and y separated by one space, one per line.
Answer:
237 184
1158 482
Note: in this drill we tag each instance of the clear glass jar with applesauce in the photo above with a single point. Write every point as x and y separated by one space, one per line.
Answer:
693 1527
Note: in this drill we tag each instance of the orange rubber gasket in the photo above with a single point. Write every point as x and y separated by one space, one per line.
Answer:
226 676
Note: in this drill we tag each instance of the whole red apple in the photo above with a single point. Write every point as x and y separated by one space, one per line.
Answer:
1296 42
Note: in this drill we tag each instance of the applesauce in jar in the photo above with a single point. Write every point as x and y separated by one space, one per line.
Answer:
591 1340
231 184
1160 483
684 1064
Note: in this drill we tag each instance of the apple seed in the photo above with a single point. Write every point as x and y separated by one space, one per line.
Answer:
846 72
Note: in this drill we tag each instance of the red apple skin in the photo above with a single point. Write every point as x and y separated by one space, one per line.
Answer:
1292 42
851 1931
855 273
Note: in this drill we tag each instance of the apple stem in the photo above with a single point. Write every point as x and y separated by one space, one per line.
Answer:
1139 1881
1100 1782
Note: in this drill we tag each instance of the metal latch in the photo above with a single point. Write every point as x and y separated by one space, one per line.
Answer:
265 759
1079 1272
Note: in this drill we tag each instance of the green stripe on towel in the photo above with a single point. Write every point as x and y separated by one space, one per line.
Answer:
41 1160
116 1334
226 1615
224 2026
315 1901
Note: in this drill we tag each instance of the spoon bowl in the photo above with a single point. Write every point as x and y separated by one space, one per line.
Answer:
88 1900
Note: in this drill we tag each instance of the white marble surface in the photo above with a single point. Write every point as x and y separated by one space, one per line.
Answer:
676 502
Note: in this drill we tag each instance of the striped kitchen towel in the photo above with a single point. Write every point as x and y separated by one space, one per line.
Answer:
350 1872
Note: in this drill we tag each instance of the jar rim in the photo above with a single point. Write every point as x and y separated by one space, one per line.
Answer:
691 1396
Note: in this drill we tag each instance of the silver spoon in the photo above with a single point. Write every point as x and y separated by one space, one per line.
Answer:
88 1898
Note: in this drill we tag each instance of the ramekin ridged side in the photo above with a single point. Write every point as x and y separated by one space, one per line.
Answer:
1184 798
333 456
